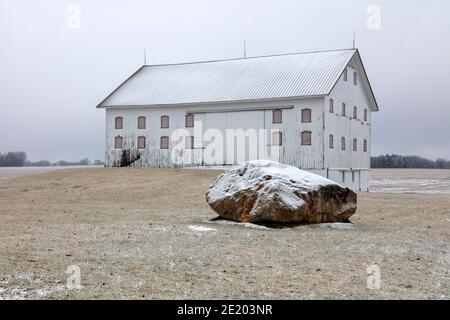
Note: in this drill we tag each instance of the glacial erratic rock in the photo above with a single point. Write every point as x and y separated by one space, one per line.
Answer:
267 191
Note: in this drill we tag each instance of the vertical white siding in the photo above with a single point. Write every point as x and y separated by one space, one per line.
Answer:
152 155
291 152
307 157
339 126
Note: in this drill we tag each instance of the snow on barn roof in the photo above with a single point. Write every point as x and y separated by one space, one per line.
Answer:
244 79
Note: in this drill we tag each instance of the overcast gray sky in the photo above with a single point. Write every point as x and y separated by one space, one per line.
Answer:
53 74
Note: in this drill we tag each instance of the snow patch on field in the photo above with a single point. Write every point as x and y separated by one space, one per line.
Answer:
202 229
23 293
242 224
24 276
25 286
334 225
427 186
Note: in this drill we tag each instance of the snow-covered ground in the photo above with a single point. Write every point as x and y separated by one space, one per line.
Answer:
147 234
411 185
427 181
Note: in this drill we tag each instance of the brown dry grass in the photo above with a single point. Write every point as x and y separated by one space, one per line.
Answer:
129 231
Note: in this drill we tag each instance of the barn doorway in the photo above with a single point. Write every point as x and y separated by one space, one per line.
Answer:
233 137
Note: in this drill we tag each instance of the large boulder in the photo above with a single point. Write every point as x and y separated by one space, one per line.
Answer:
267 191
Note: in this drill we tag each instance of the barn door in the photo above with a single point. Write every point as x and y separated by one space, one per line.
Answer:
248 124
214 129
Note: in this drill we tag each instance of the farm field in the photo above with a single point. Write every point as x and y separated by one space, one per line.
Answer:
11 172
148 234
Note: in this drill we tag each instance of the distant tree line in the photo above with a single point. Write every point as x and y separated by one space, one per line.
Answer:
13 159
82 162
19 159
399 161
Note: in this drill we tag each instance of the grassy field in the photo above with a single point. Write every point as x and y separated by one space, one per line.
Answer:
147 233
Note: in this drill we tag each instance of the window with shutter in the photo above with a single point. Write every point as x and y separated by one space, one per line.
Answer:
343 109
164 121
331 105
118 142
277 116
306 115
189 142
355 144
331 142
119 123
189 121
277 138
141 122
342 143
306 138
141 142
164 142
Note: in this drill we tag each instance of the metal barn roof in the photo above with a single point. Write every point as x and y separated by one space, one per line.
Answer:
245 79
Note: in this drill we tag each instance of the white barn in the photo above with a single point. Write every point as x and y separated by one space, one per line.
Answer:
310 110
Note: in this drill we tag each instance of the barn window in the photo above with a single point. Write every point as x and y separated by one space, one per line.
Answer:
355 144
365 114
331 106
277 116
355 78
141 122
141 142
306 115
343 109
119 123
365 145
189 120
355 112
330 141
306 138
345 74
118 142
189 142
277 138
342 143
165 122
164 142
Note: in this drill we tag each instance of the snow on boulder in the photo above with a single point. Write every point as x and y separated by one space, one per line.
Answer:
267 191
